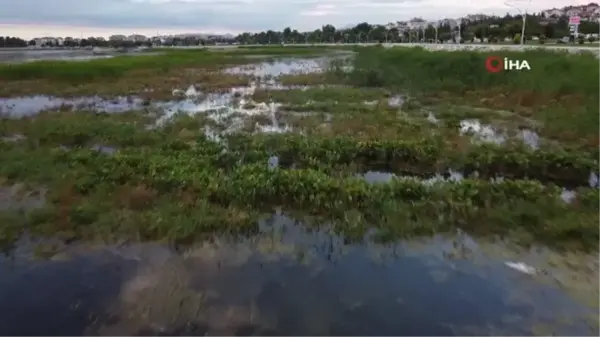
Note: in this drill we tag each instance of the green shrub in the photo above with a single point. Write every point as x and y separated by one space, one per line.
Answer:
517 39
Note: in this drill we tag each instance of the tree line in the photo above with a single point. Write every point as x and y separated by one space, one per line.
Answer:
491 28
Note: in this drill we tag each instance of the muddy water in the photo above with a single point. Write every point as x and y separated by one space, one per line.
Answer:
290 281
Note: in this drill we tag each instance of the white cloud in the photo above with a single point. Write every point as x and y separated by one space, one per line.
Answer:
29 18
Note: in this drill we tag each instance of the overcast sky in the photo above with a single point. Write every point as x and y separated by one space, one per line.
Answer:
31 18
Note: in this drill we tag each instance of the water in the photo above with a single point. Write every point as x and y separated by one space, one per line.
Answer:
290 281
233 106
217 106
32 105
488 133
282 67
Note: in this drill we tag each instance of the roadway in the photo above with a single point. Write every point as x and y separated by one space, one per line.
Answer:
433 46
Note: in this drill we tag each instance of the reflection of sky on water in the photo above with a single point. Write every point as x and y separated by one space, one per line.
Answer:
285 281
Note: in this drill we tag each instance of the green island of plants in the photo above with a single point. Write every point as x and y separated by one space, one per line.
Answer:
174 183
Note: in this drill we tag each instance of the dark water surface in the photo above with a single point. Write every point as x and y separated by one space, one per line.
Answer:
290 281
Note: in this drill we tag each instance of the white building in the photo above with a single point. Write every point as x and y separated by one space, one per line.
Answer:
574 12
47 41
550 13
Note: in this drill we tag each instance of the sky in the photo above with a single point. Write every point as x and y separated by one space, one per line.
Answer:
37 18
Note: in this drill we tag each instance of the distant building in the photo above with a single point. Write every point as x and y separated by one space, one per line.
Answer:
117 38
47 41
137 38
553 13
574 11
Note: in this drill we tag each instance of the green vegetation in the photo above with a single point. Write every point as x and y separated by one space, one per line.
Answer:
561 91
162 70
143 177
175 183
108 68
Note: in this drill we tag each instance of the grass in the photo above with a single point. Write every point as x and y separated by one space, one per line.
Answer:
174 183
561 91
161 71
97 189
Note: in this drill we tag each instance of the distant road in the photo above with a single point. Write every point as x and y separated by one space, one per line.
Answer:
442 46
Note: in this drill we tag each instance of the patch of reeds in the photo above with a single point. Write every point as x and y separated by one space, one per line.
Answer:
561 91
457 71
107 67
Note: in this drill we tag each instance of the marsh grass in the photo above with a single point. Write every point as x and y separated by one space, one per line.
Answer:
82 128
110 68
133 183
174 183
561 91
152 76
321 95
312 79
182 188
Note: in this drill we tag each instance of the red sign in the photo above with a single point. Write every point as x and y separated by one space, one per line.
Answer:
574 20
494 64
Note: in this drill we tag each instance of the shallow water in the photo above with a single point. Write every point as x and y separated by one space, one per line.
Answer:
290 281
32 105
282 67
24 57
488 133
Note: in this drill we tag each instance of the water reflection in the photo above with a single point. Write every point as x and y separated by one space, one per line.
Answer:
282 67
290 281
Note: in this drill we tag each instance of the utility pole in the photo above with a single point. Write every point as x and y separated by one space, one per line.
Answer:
524 15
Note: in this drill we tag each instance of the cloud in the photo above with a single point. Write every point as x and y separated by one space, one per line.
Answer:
128 16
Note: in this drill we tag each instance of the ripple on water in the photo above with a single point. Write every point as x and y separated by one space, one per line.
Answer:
290 281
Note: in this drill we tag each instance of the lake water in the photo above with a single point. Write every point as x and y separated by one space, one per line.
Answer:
287 280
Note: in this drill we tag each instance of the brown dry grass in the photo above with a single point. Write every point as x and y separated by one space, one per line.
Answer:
304 79
136 198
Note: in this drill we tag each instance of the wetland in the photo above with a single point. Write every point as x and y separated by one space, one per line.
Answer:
300 191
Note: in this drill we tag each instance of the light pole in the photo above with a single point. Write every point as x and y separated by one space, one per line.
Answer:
369 34
523 14
435 27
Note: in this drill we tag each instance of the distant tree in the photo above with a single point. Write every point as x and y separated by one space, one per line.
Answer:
517 39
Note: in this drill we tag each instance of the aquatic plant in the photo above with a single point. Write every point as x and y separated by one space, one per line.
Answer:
420 157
